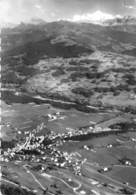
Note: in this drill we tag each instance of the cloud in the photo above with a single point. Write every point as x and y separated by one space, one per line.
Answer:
97 16
130 7
130 4
4 12
53 14
15 11
4 6
37 6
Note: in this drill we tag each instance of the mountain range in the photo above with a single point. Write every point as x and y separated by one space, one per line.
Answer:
64 38
62 59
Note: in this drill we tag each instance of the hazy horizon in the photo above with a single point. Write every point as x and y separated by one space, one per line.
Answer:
16 11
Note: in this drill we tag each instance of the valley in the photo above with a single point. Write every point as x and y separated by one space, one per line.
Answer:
68 101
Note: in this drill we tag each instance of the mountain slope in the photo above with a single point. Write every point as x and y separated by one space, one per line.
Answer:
80 62
66 34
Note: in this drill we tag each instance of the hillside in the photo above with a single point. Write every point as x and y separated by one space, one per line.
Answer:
68 109
83 63
67 34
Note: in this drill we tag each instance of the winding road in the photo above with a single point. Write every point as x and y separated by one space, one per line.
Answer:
107 177
51 176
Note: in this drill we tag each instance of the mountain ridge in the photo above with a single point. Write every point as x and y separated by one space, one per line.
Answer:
89 36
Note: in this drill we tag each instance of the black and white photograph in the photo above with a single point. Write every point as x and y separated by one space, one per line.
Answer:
68 97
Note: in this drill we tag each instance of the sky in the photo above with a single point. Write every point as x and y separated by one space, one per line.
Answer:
15 11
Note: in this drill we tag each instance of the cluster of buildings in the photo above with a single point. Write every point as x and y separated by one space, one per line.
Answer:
73 133
44 148
35 150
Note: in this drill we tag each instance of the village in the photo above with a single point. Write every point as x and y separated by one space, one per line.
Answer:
43 148
41 151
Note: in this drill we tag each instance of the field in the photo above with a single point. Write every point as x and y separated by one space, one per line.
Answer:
104 151
68 109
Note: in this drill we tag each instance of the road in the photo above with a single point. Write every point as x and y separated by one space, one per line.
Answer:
75 189
36 180
52 176
17 185
125 166
33 176
107 177
7 181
